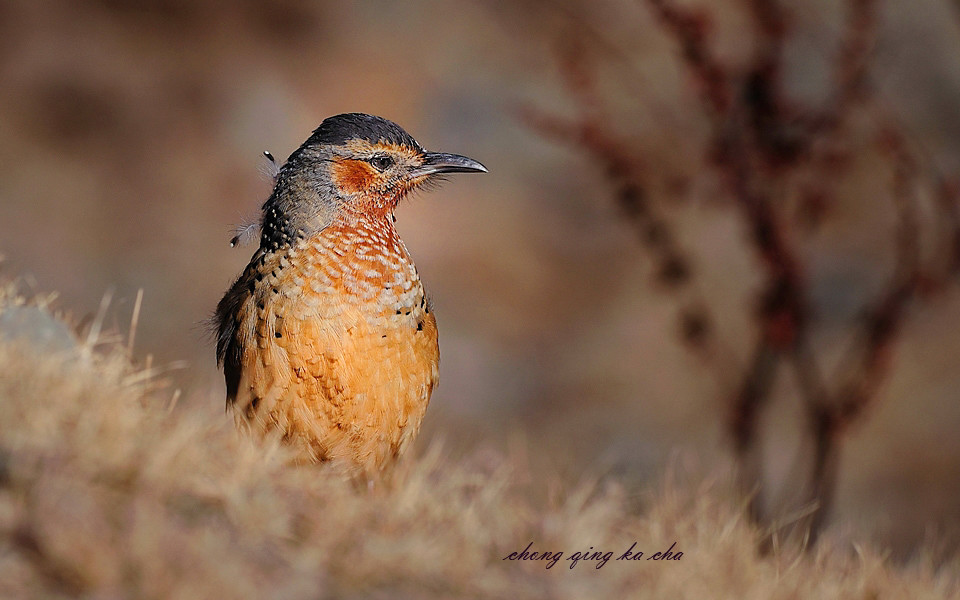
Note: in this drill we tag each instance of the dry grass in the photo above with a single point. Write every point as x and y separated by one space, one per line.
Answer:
109 491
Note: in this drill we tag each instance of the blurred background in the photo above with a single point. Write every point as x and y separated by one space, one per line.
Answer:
130 146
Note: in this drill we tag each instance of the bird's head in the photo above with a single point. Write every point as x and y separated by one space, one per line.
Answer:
353 165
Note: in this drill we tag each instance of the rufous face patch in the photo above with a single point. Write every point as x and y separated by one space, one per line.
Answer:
353 176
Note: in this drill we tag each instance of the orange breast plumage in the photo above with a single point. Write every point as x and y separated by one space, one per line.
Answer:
341 351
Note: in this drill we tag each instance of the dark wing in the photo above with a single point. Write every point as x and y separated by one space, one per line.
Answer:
227 320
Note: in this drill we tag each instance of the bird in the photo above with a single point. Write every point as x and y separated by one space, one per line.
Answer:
327 337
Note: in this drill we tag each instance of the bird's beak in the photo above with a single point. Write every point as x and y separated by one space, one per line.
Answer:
439 162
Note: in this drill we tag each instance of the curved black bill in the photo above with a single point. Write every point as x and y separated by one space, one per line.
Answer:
440 162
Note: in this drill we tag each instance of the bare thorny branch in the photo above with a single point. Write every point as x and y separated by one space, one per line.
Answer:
625 171
760 146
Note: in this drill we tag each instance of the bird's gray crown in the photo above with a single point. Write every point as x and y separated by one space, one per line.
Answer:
339 129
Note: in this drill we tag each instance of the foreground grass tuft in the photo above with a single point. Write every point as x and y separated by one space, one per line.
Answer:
107 490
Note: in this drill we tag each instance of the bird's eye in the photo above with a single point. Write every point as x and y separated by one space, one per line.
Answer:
381 162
